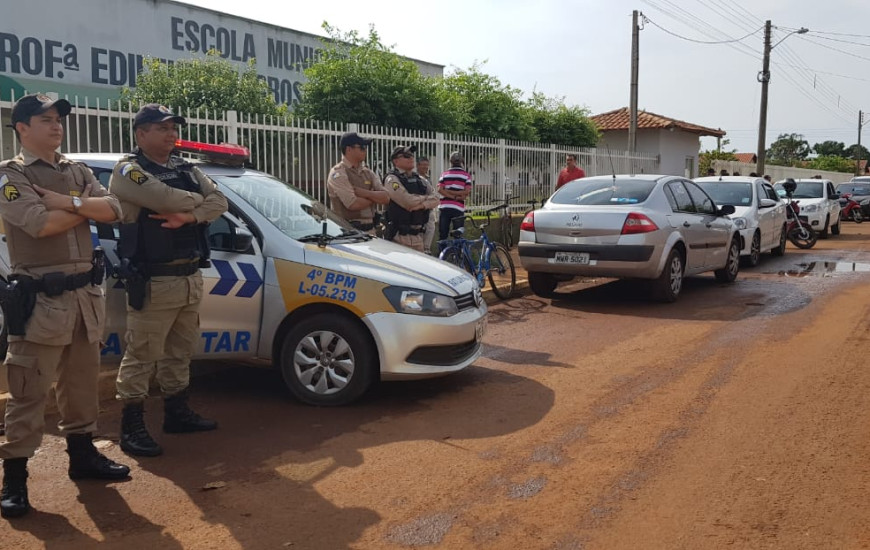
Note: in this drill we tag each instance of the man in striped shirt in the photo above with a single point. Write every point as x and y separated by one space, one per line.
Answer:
454 187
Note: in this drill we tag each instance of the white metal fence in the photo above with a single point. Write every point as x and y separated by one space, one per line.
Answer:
301 152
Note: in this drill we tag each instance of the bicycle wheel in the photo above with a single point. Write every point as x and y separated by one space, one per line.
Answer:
454 255
502 274
507 231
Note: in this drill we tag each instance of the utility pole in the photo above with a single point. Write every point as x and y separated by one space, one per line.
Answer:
635 60
764 78
858 152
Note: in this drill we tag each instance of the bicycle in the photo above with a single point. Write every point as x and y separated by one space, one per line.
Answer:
493 262
506 228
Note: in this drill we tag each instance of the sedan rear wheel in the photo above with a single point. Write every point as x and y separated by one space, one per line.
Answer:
669 284
783 238
543 284
754 251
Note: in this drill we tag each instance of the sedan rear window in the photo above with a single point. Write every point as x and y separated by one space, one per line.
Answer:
805 190
603 192
733 193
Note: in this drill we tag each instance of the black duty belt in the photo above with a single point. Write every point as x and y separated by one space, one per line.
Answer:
362 226
55 283
410 229
173 270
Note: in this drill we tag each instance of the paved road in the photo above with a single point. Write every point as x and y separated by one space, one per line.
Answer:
734 418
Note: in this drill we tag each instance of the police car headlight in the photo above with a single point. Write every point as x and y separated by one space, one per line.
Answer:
809 208
420 302
739 223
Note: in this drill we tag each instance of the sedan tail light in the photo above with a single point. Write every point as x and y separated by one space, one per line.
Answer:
528 222
638 223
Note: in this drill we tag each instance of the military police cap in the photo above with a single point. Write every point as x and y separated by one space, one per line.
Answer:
36 104
352 138
403 150
154 112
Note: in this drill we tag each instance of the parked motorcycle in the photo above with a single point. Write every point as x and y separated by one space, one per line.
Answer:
850 209
798 231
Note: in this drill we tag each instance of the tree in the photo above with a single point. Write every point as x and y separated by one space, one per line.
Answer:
788 149
830 149
705 159
832 163
210 84
359 79
556 122
489 108
852 152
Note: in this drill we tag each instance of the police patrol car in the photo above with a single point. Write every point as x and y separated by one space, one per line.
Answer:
292 285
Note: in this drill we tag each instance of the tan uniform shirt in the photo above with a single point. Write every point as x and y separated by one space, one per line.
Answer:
24 216
340 184
137 189
409 201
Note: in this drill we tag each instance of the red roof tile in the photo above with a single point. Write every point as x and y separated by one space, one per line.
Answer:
748 158
619 119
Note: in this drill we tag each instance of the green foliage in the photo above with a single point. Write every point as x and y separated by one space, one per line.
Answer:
830 149
705 159
556 122
832 163
358 79
788 150
210 83
853 150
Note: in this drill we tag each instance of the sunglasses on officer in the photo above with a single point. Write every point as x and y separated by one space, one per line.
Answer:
405 156
358 146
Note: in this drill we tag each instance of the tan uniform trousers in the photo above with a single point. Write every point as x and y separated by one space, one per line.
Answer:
32 368
161 337
429 233
411 241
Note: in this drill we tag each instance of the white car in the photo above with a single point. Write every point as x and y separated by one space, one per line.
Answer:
819 204
759 213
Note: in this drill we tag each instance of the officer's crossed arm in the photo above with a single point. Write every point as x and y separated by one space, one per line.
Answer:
371 195
96 203
130 183
23 207
400 195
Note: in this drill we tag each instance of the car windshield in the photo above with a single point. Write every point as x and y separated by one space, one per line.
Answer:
733 193
805 190
293 212
603 192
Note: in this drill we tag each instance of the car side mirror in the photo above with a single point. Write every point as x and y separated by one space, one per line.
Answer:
835 196
767 203
727 210
242 239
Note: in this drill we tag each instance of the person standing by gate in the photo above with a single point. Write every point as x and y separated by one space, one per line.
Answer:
166 204
454 185
55 305
411 200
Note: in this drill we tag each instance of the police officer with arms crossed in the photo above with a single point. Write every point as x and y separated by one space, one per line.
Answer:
166 204
411 200
353 189
55 306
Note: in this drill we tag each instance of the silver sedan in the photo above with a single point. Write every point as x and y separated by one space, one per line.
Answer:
659 228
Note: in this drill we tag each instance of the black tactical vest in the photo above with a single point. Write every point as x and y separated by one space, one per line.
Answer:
152 244
414 185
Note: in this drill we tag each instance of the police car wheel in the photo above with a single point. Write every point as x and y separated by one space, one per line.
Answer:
327 360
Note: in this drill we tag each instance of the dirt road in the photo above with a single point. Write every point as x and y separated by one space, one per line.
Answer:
735 418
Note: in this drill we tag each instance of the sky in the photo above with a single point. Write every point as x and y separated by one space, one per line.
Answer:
581 50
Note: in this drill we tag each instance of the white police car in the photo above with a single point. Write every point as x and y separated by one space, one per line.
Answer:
293 286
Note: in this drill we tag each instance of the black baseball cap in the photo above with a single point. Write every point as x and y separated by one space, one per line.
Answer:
154 112
36 104
403 149
352 138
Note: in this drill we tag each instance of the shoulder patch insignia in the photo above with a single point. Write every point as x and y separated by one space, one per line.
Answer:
396 185
10 192
126 168
336 175
136 176
4 179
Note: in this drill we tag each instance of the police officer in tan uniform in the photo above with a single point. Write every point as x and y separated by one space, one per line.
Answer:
55 304
166 204
354 189
411 200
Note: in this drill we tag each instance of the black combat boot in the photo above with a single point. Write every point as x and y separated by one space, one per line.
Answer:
86 462
13 497
179 419
135 439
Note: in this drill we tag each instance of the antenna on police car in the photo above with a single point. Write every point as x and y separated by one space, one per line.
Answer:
324 237
610 158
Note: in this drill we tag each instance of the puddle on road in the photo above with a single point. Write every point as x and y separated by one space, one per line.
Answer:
825 269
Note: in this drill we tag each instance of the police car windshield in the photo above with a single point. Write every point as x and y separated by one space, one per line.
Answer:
804 190
725 192
294 213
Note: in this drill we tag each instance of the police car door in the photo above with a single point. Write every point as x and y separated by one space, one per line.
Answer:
232 301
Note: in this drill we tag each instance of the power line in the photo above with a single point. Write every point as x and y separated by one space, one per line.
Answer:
648 20
835 49
840 34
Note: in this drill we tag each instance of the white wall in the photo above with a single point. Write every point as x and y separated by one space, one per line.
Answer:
672 147
777 173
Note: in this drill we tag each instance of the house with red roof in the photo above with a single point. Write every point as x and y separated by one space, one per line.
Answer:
676 142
